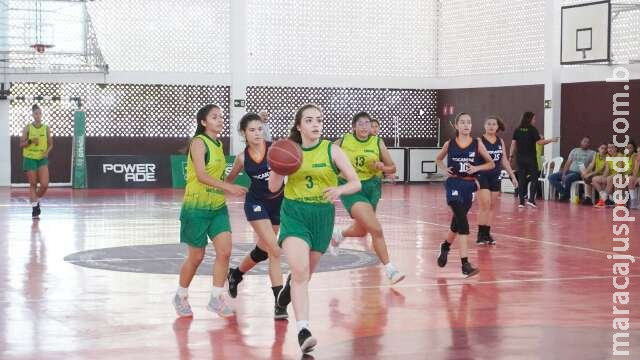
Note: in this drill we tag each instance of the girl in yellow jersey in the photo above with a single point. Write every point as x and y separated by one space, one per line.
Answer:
307 213
204 212
631 173
370 157
603 180
622 166
634 181
36 144
592 174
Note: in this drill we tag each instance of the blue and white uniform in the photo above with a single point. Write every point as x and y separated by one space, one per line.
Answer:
461 186
490 180
260 203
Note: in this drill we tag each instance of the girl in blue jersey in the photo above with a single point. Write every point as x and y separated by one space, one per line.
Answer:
463 154
490 180
261 207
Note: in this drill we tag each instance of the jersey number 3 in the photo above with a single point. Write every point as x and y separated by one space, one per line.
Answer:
309 184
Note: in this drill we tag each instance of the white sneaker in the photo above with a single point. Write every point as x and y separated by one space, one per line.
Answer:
181 304
336 239
532 204
395 276
219 306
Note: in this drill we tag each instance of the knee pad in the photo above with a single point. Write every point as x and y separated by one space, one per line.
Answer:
463 229
453 227
258 255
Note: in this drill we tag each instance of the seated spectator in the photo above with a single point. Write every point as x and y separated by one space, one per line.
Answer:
607 177
632 173
578 158
595 169
634 181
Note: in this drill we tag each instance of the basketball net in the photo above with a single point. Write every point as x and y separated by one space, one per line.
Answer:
41 60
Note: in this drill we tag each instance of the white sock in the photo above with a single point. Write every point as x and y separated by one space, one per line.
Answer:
633 195
389 268
302 324
603 195
34 204
182 292
216 291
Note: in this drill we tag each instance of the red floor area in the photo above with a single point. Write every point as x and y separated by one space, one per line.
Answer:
544 292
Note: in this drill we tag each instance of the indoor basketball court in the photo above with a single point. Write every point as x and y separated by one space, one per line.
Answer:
145 146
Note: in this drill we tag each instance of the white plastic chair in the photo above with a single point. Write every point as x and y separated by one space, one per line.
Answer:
575 189
506 186
549 167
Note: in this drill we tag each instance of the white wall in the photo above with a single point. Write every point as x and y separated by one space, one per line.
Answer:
248 69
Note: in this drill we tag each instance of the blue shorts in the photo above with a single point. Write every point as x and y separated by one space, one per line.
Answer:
256 209
460 191
490 181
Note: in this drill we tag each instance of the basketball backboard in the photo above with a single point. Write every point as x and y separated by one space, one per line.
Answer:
586 33
46 36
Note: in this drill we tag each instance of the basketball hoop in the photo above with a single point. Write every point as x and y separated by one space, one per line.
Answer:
40 48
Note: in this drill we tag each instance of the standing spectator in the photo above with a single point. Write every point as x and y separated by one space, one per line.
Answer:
264 116
375 127
525 138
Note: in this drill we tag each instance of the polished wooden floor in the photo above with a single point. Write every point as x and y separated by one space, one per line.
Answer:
544 292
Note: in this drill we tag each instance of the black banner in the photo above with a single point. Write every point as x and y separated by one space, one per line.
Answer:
128 171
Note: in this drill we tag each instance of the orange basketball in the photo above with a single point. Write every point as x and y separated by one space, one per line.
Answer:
284 157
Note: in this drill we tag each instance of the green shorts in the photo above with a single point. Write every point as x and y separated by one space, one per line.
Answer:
370 193
196 228
312 223
29 164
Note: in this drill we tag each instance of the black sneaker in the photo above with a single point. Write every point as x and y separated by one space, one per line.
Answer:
482 240
444 252
306 340
284 296
468 270
609 202
280 313
491 240
234 280
35 211
587 201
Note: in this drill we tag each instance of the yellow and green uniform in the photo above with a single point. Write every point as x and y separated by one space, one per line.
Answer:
600 163
628 161
631 160
363 154
305 213
33 154
539 155
204 213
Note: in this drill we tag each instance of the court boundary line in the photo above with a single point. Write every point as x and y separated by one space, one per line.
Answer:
462 281
514 237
